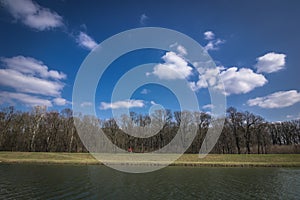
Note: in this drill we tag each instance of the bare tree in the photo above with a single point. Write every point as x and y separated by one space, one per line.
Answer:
235 119
38 113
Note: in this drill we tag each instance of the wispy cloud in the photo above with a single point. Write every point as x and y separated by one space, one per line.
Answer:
31 66
30 76
153 103
29 84
86 41
122 104
208 106
28 100
145 91
143 19
213 43
297 116
279 99
32 15
209 35
86 104
179 49
270 62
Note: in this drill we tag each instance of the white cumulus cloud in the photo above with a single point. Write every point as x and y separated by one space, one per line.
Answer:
175 67
131 103
270 62
61 101
29 84
31 66
28 75
279 99
32 81
240 81
32 14
235 81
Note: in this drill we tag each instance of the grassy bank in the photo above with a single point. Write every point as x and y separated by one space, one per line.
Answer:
223 160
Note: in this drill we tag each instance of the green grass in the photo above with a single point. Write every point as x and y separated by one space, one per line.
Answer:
220 160
46 157
243 160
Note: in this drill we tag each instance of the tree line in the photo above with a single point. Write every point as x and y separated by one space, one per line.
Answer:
40 130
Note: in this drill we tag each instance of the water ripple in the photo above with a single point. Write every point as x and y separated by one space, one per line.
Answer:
99 182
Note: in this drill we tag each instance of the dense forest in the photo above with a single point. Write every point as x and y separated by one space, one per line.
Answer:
51 131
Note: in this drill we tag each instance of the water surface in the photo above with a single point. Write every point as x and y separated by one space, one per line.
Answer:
26 181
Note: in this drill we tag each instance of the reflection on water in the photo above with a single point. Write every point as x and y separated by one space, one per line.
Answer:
100 182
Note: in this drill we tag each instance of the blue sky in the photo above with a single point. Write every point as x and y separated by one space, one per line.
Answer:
255 45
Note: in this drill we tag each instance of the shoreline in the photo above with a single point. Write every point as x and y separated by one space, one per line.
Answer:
186 160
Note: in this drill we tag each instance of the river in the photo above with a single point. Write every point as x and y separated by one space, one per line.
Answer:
29 181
